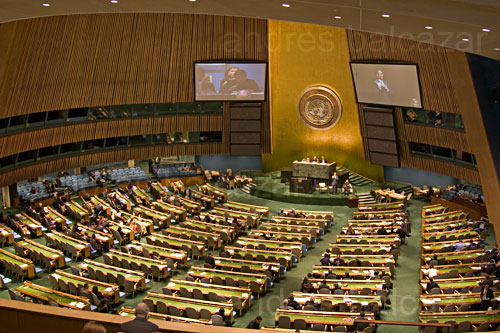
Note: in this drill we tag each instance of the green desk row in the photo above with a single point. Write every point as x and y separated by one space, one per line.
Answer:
460 317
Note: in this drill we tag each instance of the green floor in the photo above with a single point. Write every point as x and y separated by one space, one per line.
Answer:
404 295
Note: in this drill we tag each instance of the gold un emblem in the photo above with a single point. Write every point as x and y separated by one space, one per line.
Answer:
319 107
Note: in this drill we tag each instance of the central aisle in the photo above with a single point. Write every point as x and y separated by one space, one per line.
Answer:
404 295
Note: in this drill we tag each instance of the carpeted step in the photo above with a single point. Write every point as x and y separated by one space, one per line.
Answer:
365 199
355 179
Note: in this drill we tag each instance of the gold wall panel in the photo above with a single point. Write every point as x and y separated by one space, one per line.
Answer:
302 55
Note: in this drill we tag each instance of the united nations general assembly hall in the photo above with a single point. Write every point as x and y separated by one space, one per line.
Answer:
226 166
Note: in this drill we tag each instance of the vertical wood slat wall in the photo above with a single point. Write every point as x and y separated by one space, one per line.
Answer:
111 59
64 163
62 62
438 137
39 138
435 81
438 93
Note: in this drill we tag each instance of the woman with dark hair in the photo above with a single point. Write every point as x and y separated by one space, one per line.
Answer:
228 84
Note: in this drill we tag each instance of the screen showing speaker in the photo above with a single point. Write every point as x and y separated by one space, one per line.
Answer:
387 84
230 81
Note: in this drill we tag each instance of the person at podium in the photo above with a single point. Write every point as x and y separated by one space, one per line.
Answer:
315 160
335 182
323 160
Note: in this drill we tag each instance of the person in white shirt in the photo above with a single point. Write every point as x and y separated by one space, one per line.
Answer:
431 272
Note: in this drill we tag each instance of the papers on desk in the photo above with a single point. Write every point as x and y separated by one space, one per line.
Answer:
171 284
301 299
379 286
23 265
476 268
430 300
217 262
355 271
314 271
364 303
244 295
203 273
57 276
347 300
388 260
77 304
259 280
427 247
128 275
109 289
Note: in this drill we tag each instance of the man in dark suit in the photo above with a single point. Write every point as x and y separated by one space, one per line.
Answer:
383 91
335 182
255 323
209 259
325 261
486 296
140 324
382 231
430 285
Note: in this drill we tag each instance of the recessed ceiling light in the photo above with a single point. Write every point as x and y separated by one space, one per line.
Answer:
486 30
45 4
496 49
386 15
113 1
465 39
285 5
337 17
428 27
192 0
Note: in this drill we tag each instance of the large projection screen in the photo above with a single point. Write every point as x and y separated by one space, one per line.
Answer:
387 84
230 81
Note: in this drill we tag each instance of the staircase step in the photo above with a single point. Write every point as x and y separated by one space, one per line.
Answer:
365 199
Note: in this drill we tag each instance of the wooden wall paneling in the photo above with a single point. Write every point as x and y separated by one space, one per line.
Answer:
6 40
265 141
226 132
46 137
362 123
73 61
439 92
437 136
437 88
428 135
